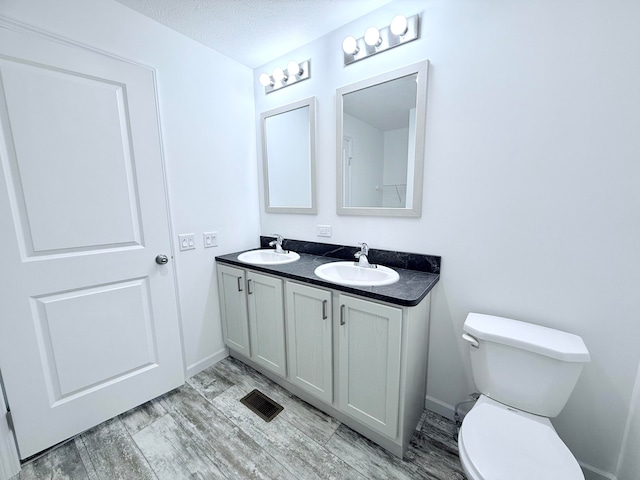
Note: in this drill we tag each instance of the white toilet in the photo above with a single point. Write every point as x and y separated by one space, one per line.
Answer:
525 374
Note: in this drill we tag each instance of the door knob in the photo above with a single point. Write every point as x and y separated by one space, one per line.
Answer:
162 259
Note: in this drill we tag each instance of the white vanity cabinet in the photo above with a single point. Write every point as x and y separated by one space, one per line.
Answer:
233 308
370 344
360 360
309 339
251 306
266 321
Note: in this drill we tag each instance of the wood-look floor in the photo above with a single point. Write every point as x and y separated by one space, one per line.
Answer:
202 431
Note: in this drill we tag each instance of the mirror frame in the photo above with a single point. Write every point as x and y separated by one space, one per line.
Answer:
307 102
421 69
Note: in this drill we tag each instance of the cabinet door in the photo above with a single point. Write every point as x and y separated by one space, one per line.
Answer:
266 318
233 308
309 341
370 344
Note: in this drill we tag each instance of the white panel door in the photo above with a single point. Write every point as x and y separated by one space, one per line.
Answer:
89 323
370 342
233 308
266 321
309 339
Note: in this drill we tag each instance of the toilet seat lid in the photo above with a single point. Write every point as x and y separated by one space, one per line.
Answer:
505 444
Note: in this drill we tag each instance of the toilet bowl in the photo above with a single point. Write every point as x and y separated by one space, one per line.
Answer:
525 374
497 442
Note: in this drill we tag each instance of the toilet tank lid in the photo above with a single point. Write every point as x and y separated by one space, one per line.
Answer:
527 336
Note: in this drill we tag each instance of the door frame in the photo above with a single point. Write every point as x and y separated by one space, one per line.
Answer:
9 460
8 449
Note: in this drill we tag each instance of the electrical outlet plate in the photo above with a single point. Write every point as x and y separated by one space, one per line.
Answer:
210 239
187 241
323 230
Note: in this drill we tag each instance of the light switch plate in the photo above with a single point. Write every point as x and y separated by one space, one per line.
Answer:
210 239
187 241
323 230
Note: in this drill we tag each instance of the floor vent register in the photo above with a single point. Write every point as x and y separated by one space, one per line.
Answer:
261 405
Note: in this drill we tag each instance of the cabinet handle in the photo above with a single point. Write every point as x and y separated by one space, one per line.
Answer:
324 309
341 314
239 284
249 287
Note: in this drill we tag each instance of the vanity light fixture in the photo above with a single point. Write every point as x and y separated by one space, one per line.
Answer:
372 37
350 45
265 80
401 30
293 68
279 75
399 25
279 78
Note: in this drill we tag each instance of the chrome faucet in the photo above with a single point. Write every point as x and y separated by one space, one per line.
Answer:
278 243
363 261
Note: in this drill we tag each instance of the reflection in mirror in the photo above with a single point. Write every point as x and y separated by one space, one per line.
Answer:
288 156
380 152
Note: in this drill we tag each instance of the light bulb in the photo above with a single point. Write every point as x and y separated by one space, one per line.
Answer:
278 74
293 69
350 46
399 25
372 37
265 80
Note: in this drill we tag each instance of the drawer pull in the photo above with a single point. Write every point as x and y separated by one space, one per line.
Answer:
249 287
342 315
239 284
324 309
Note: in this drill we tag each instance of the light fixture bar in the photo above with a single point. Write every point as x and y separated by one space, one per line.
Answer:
387 40
303 72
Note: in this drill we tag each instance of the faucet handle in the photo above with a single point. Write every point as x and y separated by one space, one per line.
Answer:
278 239
364 250
277 242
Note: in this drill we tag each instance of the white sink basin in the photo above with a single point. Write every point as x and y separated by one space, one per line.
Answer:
267 257
348 273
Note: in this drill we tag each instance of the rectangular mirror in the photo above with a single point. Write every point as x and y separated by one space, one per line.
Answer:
380 143
288 157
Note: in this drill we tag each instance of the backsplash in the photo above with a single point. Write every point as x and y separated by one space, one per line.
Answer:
409 261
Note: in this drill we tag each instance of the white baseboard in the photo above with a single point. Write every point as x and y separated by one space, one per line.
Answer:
207 362
439 407
593 473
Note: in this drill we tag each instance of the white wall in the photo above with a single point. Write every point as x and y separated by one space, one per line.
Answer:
394 170
396 151
367 151
629 465
531 190
206 114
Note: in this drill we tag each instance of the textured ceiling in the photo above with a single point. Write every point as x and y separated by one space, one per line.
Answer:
254 32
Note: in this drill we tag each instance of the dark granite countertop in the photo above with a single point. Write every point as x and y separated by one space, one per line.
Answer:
409 290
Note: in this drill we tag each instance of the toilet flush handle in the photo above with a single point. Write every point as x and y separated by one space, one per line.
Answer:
471 340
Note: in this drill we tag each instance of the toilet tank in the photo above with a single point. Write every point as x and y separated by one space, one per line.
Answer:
526 366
